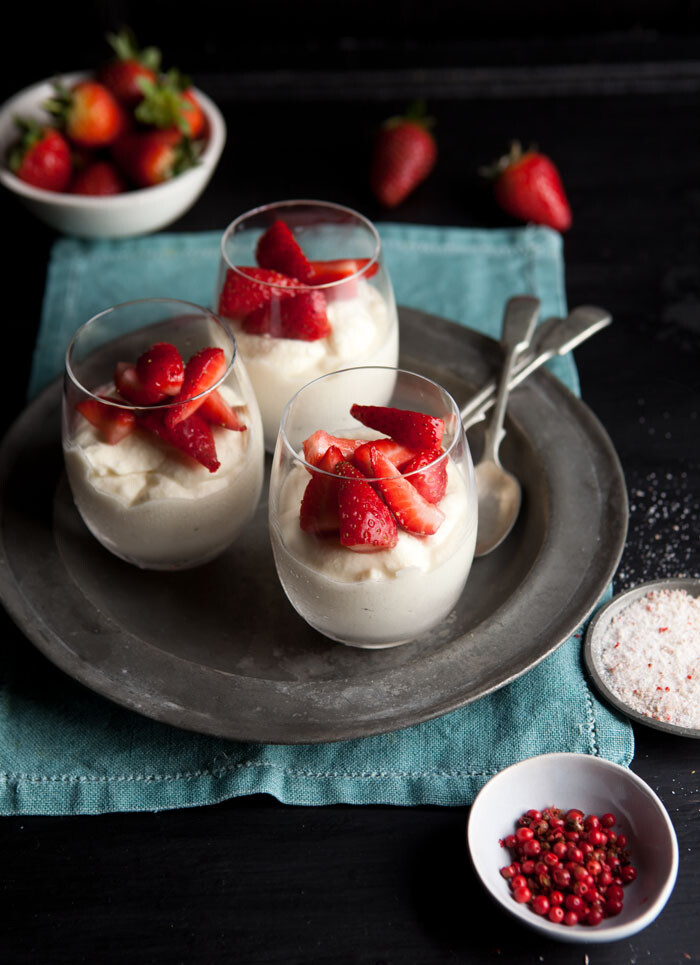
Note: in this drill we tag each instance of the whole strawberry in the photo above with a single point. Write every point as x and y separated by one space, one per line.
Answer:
528 187
151 157
404 154
123 74
41 156
169 102
98 178
89 114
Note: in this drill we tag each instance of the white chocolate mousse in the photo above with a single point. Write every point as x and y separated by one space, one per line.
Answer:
364 332
383 598
151 504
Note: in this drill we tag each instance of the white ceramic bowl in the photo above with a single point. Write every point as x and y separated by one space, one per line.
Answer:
116 216
596 786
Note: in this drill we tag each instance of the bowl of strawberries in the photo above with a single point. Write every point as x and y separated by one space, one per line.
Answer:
122 150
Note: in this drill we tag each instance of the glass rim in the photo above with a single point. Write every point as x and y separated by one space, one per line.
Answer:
158 406
310 202
444 455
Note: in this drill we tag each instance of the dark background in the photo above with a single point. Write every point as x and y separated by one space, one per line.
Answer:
612 92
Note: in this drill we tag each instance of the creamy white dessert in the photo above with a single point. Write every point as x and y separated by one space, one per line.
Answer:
364 332
382 598
156 507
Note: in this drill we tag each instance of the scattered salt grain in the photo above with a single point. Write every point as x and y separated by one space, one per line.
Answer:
650 652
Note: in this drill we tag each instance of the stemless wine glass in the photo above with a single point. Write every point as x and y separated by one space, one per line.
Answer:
162 485
366 596
341 313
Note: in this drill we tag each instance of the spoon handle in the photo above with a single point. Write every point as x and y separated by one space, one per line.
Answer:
519 320
553 336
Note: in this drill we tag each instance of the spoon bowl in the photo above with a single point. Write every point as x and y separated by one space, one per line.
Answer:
499 497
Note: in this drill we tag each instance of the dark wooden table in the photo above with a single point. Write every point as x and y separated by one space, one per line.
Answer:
251 880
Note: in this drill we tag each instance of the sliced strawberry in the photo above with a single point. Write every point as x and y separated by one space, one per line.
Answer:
366 525
279 250
129 385
432 483
217 412
398 454
319 505
302 317
241 295
201 372
413 513
317 444
160 369
413 429
324 272
192 435
113 423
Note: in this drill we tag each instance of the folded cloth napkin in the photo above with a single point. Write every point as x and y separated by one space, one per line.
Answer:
65 750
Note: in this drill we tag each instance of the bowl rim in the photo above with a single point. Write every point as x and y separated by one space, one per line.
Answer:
208 157
581 934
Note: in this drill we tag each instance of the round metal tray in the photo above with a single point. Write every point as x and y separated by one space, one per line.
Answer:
594 639
219 649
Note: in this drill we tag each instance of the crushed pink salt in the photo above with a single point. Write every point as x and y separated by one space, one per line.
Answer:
650 655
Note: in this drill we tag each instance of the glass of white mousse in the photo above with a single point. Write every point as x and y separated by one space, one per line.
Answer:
306 290
162 436
372 505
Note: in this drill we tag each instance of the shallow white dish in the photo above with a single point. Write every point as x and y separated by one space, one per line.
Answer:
595 786
116 216
594 640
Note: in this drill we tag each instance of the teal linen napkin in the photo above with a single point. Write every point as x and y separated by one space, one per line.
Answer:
65 750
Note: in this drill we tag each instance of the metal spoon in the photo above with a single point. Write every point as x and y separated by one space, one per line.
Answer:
553 336
498 491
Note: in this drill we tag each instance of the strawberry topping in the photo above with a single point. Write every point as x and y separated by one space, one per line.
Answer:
160 369
316 445
191 435
366 525
413 513
241 295
416 430
319 505
201 372
278 250
432 483
302 317
114 423
398 454
130 387
324 272
217 412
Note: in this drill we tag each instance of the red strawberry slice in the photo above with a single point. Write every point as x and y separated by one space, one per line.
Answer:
114 423
192 435
201 372
217 412
241 295
324 272
160 369
317 444
413 429
278 249
366 525
302 317
129 385
413 513
319 505
432 483
398 454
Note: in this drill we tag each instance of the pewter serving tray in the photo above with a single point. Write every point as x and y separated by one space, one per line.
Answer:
219 649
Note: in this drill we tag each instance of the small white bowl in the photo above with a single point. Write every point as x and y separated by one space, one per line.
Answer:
116 216
596 786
